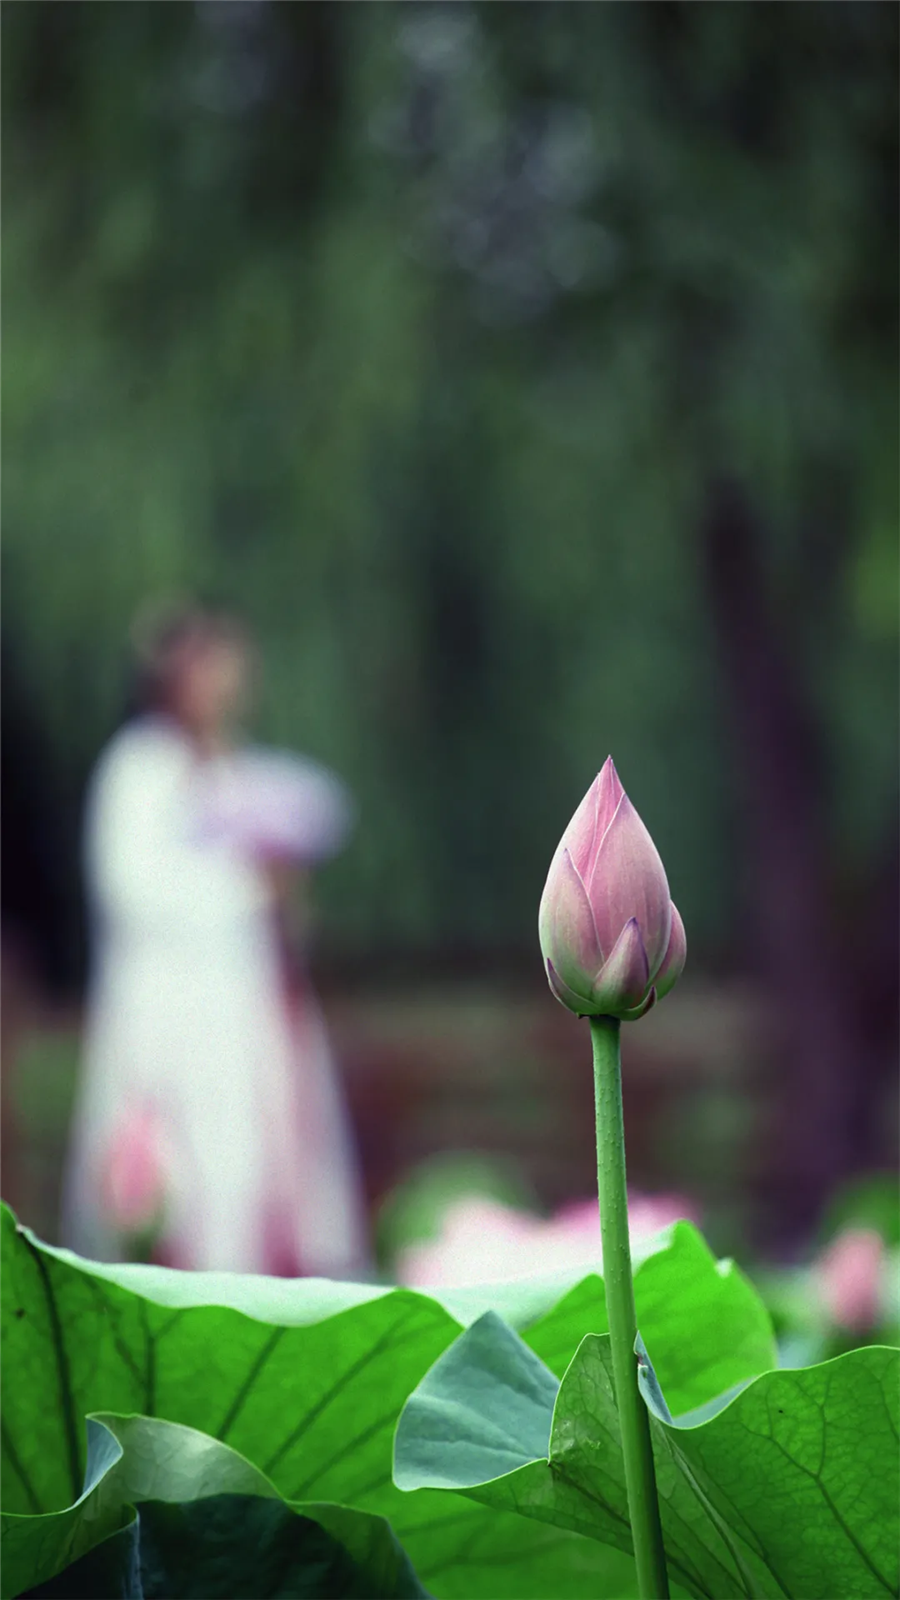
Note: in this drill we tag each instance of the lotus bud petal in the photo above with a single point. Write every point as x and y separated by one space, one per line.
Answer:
561 990
624 978
610 936
674 958
568 933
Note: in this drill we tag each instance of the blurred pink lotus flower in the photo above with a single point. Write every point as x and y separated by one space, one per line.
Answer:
483 1241
134 1177
849 1278
612 941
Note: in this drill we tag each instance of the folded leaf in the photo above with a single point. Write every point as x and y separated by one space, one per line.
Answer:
145 1463
791 1488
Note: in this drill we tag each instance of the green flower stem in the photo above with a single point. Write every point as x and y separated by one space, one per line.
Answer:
634 1420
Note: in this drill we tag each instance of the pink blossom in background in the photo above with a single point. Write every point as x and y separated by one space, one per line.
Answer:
647 1213
479 1240
133 1185
849 1278
483 1241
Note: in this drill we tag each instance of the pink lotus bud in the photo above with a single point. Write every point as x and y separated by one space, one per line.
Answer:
133 1179
612 941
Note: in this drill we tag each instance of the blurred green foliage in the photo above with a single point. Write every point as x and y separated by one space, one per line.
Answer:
420 334
870 1202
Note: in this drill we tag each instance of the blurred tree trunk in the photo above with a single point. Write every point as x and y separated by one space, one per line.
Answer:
829 1069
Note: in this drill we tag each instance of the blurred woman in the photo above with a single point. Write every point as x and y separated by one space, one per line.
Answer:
209 1118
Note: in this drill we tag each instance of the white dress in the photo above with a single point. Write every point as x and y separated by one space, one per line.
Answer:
187 1016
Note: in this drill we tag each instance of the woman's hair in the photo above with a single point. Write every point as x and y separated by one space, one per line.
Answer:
160 633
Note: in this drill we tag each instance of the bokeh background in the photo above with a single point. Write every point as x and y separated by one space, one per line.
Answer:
527 376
